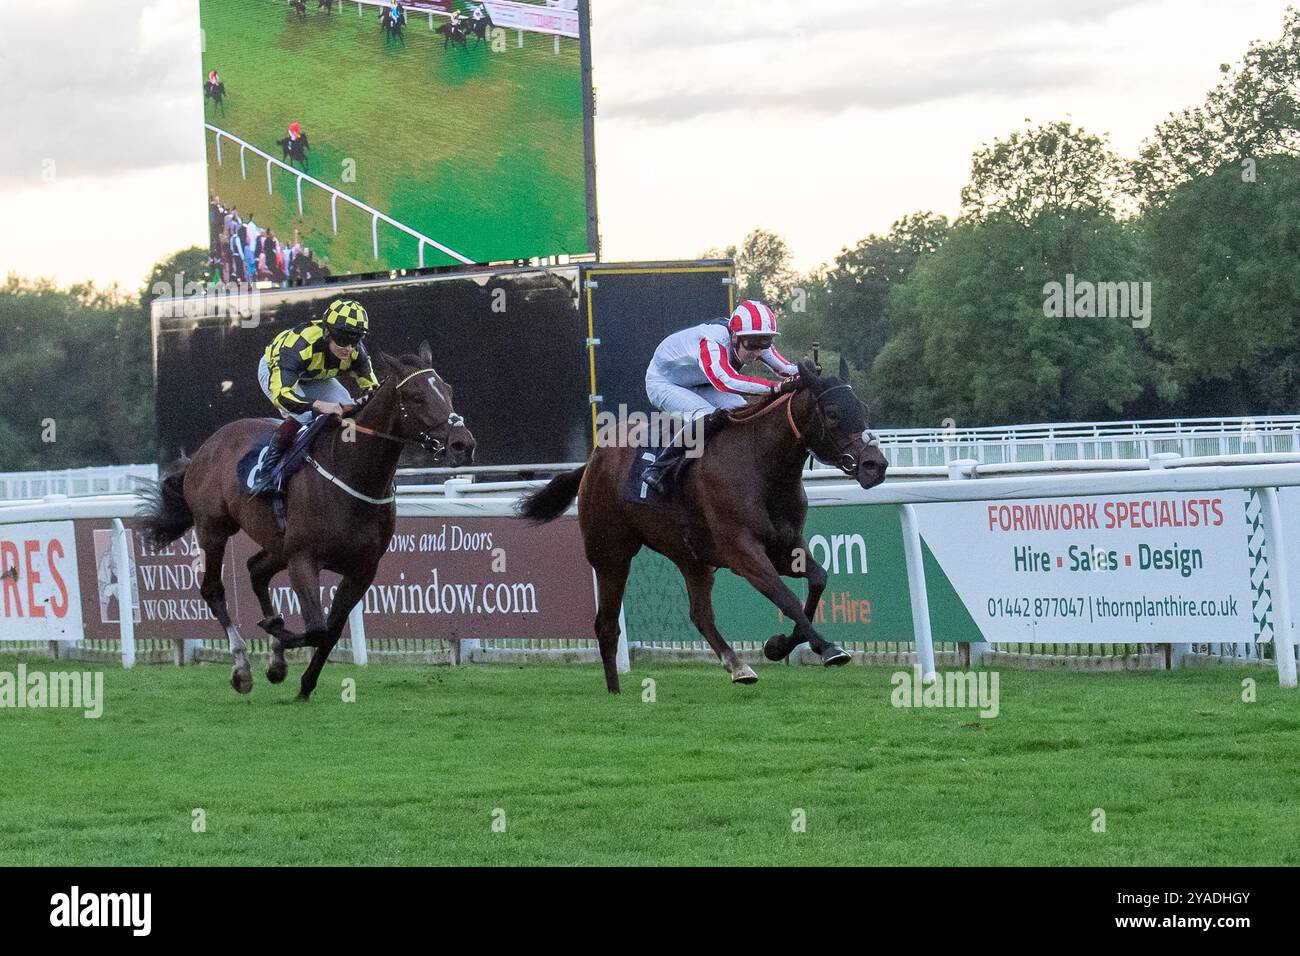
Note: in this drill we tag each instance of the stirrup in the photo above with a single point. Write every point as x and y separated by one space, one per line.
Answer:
653 476
269 481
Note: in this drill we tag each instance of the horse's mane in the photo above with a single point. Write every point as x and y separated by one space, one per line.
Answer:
752 411
363 400
724 419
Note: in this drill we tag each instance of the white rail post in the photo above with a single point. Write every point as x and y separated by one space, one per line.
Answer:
125 580
960 470
451 488
1159 461
920 598
1279 579
623 658
357 628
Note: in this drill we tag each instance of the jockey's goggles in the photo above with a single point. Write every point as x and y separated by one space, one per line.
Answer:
756 344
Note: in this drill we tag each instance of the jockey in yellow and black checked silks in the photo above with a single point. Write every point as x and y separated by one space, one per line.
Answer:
301 355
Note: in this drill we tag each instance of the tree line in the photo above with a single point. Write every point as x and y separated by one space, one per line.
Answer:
969 320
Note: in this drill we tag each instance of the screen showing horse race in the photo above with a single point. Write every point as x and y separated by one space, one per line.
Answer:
361 136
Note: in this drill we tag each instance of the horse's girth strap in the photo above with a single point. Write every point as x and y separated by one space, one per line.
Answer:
344 486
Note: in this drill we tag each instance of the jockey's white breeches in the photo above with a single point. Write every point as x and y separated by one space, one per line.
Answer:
326 390
687 401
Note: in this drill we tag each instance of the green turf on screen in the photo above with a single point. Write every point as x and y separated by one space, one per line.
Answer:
482 151
412 772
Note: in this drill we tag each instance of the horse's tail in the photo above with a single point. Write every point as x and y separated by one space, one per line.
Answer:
552 500
164 509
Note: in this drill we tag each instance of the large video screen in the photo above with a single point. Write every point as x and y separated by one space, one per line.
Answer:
361 136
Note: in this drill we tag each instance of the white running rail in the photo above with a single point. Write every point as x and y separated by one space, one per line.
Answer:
1075 441
335 195
75 482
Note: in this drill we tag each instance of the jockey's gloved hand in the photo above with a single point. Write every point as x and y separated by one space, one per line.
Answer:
786 386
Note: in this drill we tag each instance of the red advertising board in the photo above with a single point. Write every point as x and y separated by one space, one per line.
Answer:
449 578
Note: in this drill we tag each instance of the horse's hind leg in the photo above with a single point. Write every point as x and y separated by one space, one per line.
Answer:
699 587
611 581
213 543
262 567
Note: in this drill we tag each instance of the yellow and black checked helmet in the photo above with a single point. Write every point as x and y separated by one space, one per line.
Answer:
347 320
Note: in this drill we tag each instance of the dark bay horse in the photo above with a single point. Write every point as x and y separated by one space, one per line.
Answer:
453 35
393 26
742 507
294 150
217 93
340 515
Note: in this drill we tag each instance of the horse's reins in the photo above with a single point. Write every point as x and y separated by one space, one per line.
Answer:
424 439
847 463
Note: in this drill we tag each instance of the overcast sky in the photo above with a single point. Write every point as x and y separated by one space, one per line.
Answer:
713 117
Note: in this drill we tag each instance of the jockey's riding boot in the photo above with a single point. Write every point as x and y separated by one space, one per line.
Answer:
656 472
653 476
280 443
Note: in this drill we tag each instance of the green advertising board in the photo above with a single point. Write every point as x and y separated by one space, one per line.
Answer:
866 598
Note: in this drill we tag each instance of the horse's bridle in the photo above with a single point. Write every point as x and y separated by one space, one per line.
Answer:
425 440
846 462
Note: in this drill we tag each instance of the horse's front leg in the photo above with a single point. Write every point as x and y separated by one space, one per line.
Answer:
350 591
753 564
304 573
798 563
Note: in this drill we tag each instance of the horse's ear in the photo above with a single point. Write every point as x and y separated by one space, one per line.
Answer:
808 374
844 369
426 353
387 364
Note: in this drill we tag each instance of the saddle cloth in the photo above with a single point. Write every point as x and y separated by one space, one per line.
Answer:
638 492
249 469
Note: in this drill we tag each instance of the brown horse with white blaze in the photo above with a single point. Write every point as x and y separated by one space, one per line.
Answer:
741 506
341 508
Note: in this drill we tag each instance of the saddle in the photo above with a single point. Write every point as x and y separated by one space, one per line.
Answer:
249 469
675 462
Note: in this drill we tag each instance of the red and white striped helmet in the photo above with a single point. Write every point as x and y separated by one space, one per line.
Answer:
753 318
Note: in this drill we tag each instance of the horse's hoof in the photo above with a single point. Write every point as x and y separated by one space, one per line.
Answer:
277 672
242 681
835 656
272 625
776 648
744 676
